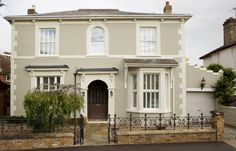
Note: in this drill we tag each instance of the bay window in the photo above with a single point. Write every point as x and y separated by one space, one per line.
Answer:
149 91
48 83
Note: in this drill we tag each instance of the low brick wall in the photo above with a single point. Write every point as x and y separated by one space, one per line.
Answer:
166 136
230 114
38 141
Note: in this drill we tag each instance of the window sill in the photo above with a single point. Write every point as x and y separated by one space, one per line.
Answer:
148 55
45 56
97 55
146 111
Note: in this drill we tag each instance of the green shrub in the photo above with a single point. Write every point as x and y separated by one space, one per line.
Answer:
215 67
47 110
225 87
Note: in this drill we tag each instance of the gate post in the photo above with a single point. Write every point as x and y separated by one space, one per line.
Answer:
218 124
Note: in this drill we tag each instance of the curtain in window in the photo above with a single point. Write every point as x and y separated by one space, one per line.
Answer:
97 40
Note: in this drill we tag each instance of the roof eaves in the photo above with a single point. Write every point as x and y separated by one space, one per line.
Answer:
217 50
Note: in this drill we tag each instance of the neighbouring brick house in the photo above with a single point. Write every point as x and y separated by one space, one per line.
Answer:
125 62
5 84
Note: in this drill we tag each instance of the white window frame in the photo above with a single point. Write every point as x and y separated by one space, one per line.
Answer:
35 74
140 25
37 39
134 90
106 38
41 84
164 91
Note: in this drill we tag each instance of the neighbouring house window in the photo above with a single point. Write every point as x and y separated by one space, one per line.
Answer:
147 40
134 90
97 45
150 90
8 77
47 41
48 83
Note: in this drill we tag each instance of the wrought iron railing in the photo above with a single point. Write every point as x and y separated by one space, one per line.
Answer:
159 122
18 128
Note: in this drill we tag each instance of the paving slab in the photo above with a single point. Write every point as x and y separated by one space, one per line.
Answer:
206 146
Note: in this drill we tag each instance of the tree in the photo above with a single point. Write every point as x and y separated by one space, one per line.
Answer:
225 87
47 110
215 67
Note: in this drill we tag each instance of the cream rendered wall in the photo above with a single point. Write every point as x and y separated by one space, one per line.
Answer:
25 39
226 58
73 39
122 38
170 38
195 75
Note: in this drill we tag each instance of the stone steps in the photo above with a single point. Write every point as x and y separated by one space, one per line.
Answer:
95 133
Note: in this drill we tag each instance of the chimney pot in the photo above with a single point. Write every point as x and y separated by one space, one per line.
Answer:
168 8
32 10
229 31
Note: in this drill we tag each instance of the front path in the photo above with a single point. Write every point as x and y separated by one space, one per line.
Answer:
209 146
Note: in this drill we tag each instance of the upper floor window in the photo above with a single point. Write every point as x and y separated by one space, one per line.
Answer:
47 41
147 40
97 40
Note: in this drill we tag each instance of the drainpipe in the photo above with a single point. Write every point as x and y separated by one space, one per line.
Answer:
75 121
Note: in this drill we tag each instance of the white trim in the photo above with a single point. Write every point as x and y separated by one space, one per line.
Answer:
104 56
155 24
13 107
106 40
200 90
108 78
37 40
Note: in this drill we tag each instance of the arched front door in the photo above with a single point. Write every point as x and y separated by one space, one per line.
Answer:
97 100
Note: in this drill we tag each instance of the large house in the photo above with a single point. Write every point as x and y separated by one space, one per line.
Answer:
125 62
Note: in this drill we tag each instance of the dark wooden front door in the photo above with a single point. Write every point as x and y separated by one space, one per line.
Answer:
97 100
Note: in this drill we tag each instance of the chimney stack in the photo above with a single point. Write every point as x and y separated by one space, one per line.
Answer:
32 11
168 8
229 31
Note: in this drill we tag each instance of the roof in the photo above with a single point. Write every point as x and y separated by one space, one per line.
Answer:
97 70
92 13
32 67
151 62
5 64
217 50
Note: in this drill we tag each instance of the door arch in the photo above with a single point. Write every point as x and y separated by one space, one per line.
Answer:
97 100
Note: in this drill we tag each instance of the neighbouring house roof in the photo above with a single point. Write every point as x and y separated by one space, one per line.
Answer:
151 62
5 64
217 50
92 70
45 67
93 14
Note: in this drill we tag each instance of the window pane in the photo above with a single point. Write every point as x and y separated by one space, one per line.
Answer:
47 41
147 39
134 99
157 100
144 100
148 100
134 82
45 83
148 81
38 83
157 82
97 40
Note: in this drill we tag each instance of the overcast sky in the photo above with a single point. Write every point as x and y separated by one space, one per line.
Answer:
203 32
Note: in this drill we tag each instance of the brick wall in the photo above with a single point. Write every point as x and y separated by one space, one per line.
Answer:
216 133
38 141
166 136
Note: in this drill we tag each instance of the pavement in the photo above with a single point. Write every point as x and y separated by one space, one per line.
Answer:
230 135
206 146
